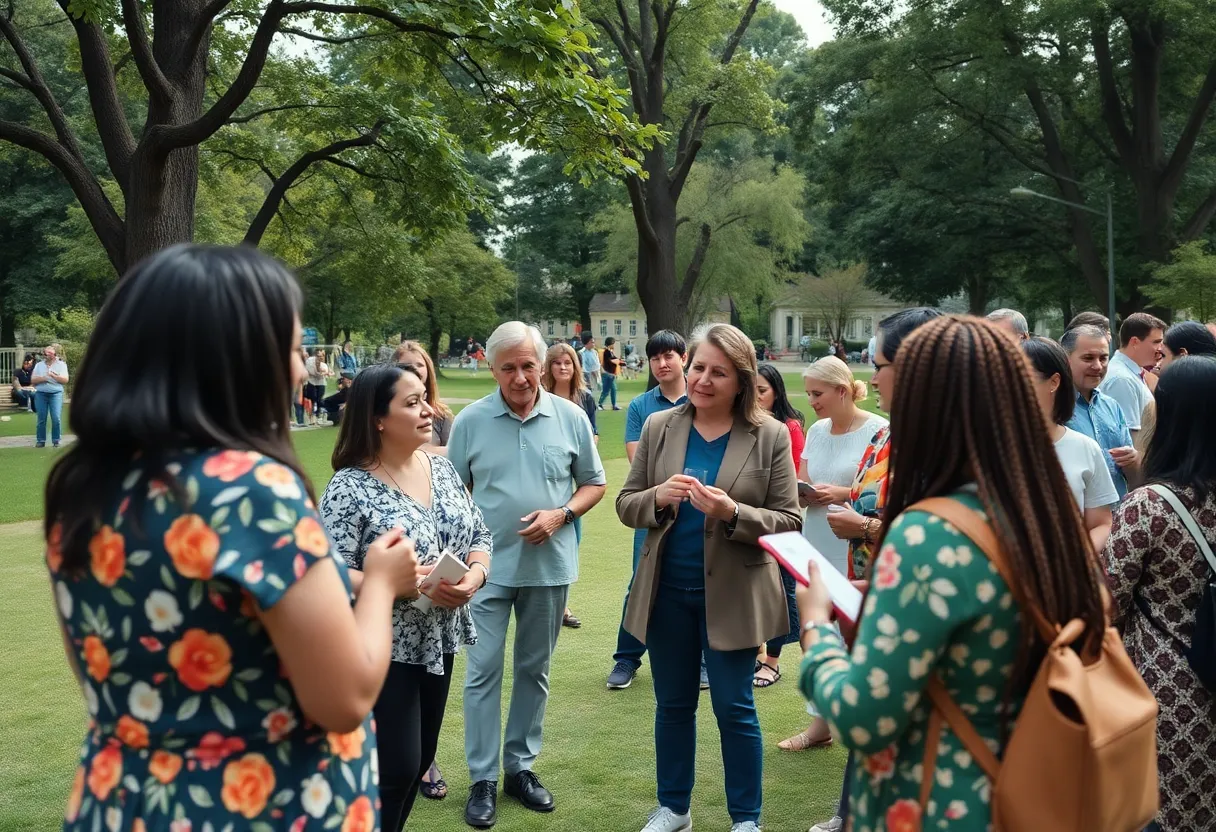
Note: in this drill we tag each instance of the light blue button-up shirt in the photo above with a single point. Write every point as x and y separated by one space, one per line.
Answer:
517 466
1124 383
1101 419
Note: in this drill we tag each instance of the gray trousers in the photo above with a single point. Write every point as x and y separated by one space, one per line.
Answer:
538 621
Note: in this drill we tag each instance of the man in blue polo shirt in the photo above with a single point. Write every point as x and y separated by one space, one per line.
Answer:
529 460
1097 415
1140 340
666 351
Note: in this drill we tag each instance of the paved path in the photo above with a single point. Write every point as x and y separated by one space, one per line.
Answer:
26 441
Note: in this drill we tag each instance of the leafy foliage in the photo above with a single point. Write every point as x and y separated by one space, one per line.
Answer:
1187 283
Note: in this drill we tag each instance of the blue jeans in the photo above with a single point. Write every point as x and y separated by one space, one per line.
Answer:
773 648
628 648
48 404
677 623
608 380
24 399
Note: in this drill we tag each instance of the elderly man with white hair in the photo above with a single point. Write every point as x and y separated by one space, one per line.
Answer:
530 460
1012 321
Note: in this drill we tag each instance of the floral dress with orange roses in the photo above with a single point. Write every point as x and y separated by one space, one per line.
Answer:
193 724
936 605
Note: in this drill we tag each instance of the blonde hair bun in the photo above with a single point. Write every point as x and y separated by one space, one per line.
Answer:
831 370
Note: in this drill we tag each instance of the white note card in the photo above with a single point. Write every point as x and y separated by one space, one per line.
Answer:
794 552
448 568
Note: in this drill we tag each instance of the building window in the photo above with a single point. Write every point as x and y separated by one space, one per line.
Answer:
789 332
550 329
603 327
867 326
566 328
633 328
616 327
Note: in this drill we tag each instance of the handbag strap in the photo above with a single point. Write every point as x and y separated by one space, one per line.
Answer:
1188 520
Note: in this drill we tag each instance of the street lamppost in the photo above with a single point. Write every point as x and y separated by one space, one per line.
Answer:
1023 192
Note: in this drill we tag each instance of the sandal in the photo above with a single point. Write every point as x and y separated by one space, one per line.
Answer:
433 785
803 741
766 681
570 621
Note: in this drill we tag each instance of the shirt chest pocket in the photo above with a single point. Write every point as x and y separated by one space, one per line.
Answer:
557 462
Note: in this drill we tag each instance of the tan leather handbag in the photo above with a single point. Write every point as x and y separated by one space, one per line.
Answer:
1082 756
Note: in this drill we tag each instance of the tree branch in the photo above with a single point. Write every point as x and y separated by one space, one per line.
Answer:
641 216
1171 178
206 20
693 273
636 83
245 119
693 131
1198 222
80 179
33 81
168 138
141 52
278 190
300 33
1112 106
108 114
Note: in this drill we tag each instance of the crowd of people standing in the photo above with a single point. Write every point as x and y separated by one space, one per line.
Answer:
194 568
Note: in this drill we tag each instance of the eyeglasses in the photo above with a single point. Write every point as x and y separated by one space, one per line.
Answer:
878 366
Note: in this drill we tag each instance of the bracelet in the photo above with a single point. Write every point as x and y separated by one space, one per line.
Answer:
485 573
867 527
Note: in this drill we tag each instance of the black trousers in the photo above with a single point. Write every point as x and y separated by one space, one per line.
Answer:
409 714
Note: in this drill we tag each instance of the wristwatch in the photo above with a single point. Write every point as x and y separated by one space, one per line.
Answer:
569 512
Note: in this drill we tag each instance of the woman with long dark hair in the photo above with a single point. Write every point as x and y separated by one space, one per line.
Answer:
1081 458
1158 576
1186 338
770 392
386 479
936 608
192 574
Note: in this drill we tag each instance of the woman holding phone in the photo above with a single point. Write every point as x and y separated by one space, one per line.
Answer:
701 578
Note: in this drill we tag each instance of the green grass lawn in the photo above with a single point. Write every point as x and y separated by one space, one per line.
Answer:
599 752
598 756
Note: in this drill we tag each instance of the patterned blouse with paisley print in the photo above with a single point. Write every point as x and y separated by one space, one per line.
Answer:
869 497
193 722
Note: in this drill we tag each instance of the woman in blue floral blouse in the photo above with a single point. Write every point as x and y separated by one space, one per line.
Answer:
387 479
227 677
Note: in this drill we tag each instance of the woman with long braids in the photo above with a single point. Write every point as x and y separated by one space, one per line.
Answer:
936 607
861 520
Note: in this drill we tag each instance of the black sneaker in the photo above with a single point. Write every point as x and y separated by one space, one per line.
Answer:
621 676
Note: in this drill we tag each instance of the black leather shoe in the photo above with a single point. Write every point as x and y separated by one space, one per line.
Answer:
481 811
527 789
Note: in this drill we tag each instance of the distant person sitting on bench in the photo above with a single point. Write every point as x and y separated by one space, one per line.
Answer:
333 404
23 389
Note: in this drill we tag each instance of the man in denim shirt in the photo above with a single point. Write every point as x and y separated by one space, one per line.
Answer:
1097 415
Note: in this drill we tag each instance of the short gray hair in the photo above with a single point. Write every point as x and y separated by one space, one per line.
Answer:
1069 339
1013 316
513 334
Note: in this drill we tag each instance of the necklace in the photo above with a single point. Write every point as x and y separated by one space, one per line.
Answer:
389 474
851 423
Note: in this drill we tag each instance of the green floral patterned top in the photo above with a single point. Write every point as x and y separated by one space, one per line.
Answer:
193 723
936 605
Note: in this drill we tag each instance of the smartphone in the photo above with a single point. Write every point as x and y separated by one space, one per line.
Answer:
807 491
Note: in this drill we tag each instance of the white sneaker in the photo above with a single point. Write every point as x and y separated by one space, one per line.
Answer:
745 826
834 825
663 819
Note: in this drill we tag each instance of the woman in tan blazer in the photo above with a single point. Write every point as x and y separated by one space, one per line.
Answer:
701 579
